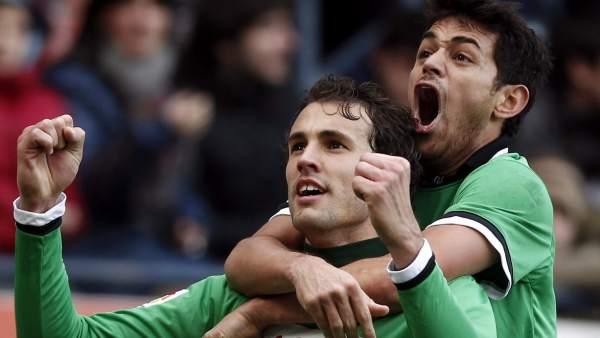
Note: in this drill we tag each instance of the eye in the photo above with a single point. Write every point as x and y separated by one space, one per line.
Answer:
298 146
335 145
423 54
462 57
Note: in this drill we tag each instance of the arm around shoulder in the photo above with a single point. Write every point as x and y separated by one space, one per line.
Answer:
259 265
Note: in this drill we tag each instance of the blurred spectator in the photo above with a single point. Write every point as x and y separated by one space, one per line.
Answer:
241 54
577 268
24 99
130 43
577 52
92 103
393 60
132 181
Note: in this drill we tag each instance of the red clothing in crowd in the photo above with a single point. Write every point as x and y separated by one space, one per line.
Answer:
24 100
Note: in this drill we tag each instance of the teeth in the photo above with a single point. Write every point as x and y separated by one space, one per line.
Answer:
308 189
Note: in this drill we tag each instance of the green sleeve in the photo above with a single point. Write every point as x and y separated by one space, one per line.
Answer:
44 307
509 205
435 308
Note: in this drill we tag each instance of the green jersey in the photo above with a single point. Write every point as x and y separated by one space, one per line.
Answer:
433 308
497 194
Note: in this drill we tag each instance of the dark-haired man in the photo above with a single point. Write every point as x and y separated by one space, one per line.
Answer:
339 124
483 210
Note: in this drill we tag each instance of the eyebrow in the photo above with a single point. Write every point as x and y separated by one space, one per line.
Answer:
328 133
295 136
455 40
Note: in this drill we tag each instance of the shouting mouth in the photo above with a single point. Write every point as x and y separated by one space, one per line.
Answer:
427 100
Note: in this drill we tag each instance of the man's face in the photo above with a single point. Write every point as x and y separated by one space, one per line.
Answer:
267 46
452 91
138 27
324 149
14 38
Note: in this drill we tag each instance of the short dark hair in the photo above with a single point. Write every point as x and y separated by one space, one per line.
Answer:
217 21
521 57
393 127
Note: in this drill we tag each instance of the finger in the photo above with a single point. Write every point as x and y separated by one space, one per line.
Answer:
336 326
363 316
48 127
59 125
347 316
384 161
363 187
39 139
74 137
378 310
369 171
67 119
318 316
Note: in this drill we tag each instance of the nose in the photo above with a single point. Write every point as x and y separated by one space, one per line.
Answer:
434 64
308 161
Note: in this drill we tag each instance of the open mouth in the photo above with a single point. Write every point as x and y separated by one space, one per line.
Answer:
427 103
309 190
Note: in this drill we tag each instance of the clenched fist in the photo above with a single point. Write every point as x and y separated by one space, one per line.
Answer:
48 158
383 182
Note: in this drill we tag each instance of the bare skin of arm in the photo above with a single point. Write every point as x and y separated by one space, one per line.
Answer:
323 290
253 317
263 264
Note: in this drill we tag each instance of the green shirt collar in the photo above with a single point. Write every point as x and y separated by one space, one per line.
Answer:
345 254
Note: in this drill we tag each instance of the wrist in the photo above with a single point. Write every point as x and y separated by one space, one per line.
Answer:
296 267
404 252
258 313
39 206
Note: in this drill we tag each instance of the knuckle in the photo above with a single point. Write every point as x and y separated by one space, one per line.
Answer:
337 326
311 303
379 189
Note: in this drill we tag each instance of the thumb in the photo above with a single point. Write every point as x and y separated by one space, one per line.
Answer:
74 138
377 310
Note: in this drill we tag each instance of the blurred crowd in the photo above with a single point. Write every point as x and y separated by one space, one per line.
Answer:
186 103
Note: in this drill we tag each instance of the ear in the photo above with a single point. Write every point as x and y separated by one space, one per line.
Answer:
511 100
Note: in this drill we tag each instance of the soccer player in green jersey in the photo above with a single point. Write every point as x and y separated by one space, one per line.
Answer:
339 126
482 209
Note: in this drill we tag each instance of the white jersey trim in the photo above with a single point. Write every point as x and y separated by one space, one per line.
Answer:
38 220
282 212
492 291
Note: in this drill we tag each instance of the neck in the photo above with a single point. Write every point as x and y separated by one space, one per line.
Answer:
449 164
343 255
330 238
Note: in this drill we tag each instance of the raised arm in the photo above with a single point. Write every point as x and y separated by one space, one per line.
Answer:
49 154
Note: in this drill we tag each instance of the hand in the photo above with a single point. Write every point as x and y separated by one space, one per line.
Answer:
334 299
237 324
189 113
48 158
383 182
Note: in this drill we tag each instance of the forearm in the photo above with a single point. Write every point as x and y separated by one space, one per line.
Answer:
260 265
277 310
43 304
431 305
